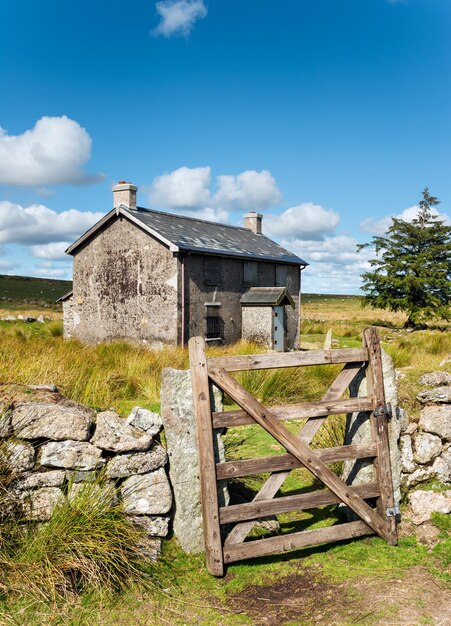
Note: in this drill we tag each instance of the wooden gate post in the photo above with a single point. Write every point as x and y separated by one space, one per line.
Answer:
379 427
207 463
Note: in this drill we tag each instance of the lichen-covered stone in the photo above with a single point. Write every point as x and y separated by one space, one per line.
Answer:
39 504
439 395
5 424
124 465
50 421
113 433
18 455
435 379
150 548
147 494
71 455
437 420
149 422
424 503
420 475
442 467
37 480
154 526
426 447
177 411
408 465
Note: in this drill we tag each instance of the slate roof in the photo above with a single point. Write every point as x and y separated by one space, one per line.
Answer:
179 232
188 233
266 296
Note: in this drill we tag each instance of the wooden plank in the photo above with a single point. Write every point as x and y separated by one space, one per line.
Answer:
379 424
246 362
294 541
323 408
299 502
298 449
309 430
207 465
287 462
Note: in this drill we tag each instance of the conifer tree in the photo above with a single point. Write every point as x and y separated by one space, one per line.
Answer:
412 268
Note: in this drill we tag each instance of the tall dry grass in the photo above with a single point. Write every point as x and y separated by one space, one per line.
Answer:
88 543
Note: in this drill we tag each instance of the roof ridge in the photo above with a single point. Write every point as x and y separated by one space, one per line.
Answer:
189 217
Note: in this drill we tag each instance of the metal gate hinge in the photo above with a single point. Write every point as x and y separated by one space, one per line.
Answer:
383 410
393 511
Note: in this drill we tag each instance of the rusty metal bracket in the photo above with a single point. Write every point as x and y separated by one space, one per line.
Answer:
384 410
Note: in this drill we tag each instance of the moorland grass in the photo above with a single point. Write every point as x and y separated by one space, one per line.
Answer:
120 375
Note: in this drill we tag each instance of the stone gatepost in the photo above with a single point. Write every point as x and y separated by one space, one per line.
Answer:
177 412
358 430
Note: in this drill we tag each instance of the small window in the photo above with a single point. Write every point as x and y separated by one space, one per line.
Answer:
215 322
212 270
250 273
281 275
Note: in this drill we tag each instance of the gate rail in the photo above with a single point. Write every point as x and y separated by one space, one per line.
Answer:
217 370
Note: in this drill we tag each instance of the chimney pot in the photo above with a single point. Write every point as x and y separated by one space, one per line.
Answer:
253 222
124 193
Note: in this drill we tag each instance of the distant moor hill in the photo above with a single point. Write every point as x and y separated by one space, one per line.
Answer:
25 290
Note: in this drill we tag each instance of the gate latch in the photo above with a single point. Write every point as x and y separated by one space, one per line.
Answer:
393 511
383 410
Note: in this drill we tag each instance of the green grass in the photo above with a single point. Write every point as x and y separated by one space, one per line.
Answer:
180 591
22 290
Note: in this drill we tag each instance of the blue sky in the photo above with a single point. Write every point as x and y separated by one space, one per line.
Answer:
328 116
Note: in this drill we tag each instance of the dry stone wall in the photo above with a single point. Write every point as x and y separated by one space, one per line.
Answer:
426 442
53 447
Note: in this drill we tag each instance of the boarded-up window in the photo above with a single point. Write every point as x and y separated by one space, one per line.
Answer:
250 273
281 275
215 324
212 270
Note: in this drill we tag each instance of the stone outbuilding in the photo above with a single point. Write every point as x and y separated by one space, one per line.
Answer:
264 316
159 278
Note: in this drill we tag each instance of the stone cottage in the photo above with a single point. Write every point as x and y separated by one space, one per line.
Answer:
160 278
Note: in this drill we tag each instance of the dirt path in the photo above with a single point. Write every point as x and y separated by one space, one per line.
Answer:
307 599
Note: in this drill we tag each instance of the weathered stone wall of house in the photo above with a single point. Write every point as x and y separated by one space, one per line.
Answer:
68 318
125 286
258 324
228 294
55 447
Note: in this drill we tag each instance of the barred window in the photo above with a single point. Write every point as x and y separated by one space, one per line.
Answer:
215 322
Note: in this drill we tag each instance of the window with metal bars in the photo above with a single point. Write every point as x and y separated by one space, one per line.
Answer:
215 322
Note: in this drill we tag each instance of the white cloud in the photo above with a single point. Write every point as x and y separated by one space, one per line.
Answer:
186 187
52 152
189 189
381 226
7 266
38 224
47 269
335 265
178 16
249 190
52 251
305 221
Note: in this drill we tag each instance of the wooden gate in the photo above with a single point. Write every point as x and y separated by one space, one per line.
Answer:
380 520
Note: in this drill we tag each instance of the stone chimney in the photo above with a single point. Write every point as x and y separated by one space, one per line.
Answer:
124 193
253 221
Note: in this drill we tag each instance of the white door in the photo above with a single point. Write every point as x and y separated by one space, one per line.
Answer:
278 328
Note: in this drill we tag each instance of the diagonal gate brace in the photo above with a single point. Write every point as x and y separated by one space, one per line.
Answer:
299 450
